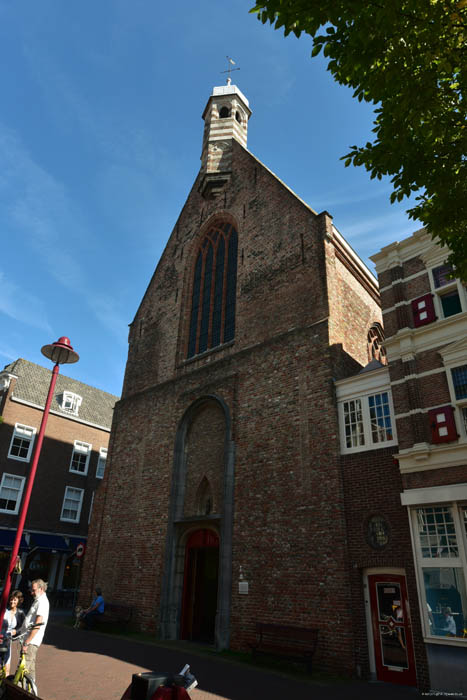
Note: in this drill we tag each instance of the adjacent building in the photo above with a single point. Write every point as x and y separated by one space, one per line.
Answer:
425 319
71 468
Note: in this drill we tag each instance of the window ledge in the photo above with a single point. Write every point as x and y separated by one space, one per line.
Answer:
424 456
368 448
206 353
451 641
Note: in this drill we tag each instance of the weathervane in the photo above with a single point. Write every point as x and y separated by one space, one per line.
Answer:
230 69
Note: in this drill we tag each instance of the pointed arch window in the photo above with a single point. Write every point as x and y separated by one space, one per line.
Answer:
212 320
376 349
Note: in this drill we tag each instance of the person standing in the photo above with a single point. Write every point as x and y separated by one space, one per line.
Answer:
14 618
38 614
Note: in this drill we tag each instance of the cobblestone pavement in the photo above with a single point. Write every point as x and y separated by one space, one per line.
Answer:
79 665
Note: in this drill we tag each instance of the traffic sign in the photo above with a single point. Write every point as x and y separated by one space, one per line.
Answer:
80 550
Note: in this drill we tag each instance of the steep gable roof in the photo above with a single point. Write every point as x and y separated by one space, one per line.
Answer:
33 383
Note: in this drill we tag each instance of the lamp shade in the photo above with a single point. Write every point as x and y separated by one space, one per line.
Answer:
61 352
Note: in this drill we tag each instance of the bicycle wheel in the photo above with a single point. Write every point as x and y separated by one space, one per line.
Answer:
28 684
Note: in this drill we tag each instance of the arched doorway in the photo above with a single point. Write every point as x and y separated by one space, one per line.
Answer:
200 581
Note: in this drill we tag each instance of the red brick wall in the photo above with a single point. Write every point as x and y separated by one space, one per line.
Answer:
276 379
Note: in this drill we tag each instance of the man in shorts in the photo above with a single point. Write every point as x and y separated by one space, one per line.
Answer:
38 613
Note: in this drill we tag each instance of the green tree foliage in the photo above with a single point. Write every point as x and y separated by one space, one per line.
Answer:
409 59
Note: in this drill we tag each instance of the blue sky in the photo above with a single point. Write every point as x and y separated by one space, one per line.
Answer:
100 140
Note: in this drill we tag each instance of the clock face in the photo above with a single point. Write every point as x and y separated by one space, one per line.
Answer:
377 533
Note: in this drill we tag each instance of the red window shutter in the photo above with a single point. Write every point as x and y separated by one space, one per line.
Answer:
442 424
423 310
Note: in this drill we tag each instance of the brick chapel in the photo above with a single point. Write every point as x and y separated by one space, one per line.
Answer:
223 500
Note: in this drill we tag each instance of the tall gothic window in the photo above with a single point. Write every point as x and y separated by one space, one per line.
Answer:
212 320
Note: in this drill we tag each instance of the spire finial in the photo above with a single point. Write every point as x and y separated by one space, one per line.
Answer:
230 69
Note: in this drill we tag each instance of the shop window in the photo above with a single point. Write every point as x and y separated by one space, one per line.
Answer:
72 502
22 442
101 462
11 490
441 560
367 422
80 457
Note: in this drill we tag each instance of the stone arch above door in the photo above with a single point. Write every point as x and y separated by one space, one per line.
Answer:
187 479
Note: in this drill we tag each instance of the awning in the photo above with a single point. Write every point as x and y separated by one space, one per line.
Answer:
7 539
48 543
75 541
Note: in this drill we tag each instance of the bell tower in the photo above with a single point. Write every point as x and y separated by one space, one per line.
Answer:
225 118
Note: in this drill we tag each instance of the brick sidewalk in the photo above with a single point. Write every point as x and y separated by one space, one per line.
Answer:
79 665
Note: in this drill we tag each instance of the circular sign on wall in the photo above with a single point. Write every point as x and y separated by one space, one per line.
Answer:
80 549
377 531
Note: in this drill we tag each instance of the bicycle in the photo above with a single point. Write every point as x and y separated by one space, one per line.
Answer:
21 676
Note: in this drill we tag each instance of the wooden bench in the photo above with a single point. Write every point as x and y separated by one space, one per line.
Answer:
286 641
115 613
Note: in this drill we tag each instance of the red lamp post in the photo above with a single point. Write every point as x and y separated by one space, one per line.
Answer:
61 353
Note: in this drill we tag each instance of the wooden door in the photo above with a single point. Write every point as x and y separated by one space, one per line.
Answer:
392 631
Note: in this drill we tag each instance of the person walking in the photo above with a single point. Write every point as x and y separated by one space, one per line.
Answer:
38 614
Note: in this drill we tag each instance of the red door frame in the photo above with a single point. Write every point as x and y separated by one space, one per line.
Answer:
197 539
383 672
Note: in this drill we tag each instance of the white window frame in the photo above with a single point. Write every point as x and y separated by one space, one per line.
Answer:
22 479
90 507
81 448
459 404
71 402
366 420
101 460
450 286
421 563
78 515
20 432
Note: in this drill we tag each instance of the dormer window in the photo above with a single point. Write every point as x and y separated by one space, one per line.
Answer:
71 402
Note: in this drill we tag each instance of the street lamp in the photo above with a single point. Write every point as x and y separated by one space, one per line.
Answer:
60 353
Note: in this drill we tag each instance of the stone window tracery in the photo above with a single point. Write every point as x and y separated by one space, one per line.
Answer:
212 319
376 349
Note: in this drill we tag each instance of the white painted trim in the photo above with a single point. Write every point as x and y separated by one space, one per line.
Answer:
70 520
434 494
423 456
365 383
412 514
32 439
57 413
20 493
369 444
434 335
80 450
